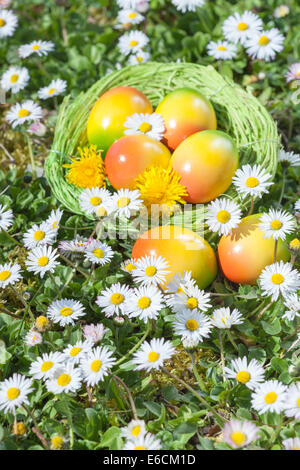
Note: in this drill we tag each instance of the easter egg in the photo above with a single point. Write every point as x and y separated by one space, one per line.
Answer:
206 162
130 156
183 249
185 112
107 117
244 254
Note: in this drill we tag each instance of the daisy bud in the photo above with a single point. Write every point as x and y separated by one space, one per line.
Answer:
19 429
42 323
56 442
119 321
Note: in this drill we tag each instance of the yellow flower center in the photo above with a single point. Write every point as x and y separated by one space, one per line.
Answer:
132 15
23 113
295 244
96 365
66 311
101 212
192 303
117 298
63 380
298 402
123 201
133 43
276 224
47 365
277 278
242 26
130 267
20 429
140 59
252 182
57 442
43 261
222 48
270 397
192 325
144 302
14 78
150 271
89 171
145 127
36 47
223 217
39 235
136 431
2 23
263 40
140 448
75 351
95 200
243 376
13 393
98 253
4 275
153 356
51 91
41 322
238 438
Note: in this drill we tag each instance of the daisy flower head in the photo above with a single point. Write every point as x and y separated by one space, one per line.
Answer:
132 42
126 202
277 224
223 215
8 23
292 302
41 260
15 79
269 396
239 27
23 112
14 392
192 324
128 3
96 365
139 57
224 318
65 311
151 270
293 401
145 303
75 352
113 299
57 442
41 323
143 442
187 5
87 170
65 379
129 17
240 433
91 200
135 429
33 337
249 374
293 443
55 88
54 218
179 282
39 235
44 366
6 218
98 252
152 355
221 50
36 47
289 158
251 181
129 265
279 279
151 125
281 11
78 245
189 299
94 333
293 72
265 44
9 274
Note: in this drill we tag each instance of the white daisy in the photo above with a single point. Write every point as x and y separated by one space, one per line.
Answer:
265 44
223 318
129 265
144 442
23 112
251 180
223 215
15 79
132 42
129 17
6 218
96 365
187 5
8 23
192 324
192 297
39 235
179 282
281 11
113 299
94 333
293 72
240 433
239 27
151 125
135 429
293 443
77 351
55 88
38 47
78 245
139 58
32 338
279 279
44 366
9 274
249 374
98 252
145 303
269 396
221 50
65 379
54 218
65 311
292 302
291 158
14 392
92 199
42 260
277 224
128 3
126 202
152 355
151 270
293 401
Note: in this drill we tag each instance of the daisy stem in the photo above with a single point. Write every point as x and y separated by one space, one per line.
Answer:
23 302
283 181
71 433
276 432
89 391
275 251
8 312
13 239
263 311
199 380
232 340
74 266
31 156
135 347
36 430
222 353
251 207
129 395
218 417
55 285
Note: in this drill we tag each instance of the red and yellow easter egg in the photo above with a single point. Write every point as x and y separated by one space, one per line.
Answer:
206 162
129 156
244 254
107 117
183 249
185 112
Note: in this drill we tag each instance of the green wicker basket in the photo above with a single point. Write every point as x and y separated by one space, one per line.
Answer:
239 114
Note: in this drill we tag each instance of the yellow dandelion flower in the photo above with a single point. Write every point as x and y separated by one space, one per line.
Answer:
160 186
19 428
88 170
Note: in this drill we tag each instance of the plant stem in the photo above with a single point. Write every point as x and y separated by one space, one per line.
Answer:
8 312
222 353
251 207
36 428
55 285
129 395
31 156
276 432
231 339
263 311
74 266
275 251
199 380
282 186
135 347
13 239
23 302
